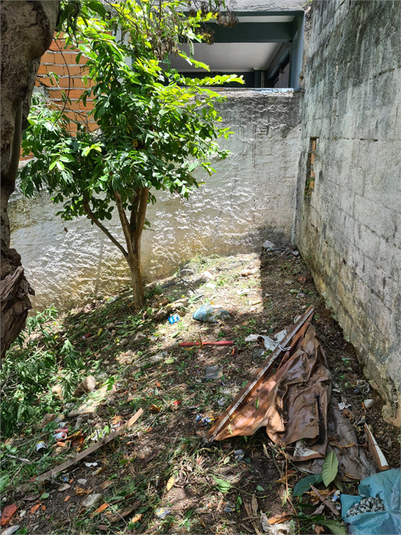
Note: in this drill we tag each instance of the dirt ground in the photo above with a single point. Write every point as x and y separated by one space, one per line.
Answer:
159 477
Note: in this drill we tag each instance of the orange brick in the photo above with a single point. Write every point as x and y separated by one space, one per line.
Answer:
75 70
68 57
48 57
88 107
57 69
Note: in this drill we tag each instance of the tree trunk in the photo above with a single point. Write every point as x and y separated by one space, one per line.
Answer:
27 30
134 263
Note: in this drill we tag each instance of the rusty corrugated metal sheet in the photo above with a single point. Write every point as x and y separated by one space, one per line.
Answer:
291 403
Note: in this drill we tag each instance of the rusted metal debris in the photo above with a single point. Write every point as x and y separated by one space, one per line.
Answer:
292 403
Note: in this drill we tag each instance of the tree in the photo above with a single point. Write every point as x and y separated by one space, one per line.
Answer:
27 30
155 126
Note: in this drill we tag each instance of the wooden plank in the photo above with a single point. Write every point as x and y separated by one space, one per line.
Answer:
54 471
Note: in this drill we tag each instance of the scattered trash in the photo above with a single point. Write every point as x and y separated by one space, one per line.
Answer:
60 434
384 488
229 507
239 455
82 481
268 245
368 403
375 450
269 343
40 446
91 500
89 465
174 319
85 386
162 512
51 473
222 402
8 512
363 387
210 313
213 372
204 420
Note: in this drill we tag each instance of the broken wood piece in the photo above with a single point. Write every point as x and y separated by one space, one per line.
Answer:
201 344
91 449
125 512
375 450
250 509
279 519
328 503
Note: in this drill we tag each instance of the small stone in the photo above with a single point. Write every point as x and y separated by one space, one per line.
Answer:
213 372
368 403
268 245
64 487
58 392
91 500
85 386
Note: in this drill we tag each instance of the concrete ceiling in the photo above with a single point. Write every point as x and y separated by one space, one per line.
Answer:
230 57
236 57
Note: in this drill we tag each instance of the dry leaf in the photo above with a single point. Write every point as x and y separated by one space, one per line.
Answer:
170 483
255 505
106 484
100 509
158 384
319 529
136 518
67 498
35 508
79 491
279 519
61 444
43 507
154 408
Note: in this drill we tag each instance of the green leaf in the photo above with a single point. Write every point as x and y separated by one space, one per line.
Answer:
338 484
260 489
4 482
334 526
44 496
222 485
303 484
329 468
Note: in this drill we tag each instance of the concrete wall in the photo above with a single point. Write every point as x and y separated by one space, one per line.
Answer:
349 228
250 197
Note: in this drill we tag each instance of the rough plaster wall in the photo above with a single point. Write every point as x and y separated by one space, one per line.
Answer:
349 230
250 197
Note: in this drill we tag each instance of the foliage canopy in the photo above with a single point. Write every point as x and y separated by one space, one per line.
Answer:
155 126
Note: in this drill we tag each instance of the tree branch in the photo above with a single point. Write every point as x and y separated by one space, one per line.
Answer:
93 218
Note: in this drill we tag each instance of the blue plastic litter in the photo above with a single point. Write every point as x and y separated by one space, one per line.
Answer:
173 319
208 313
162 512
387 486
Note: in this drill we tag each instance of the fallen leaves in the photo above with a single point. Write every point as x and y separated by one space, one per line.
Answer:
170 483
79 491
35 508
279 519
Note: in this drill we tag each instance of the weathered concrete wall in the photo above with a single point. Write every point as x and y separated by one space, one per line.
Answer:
251 196
349 229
